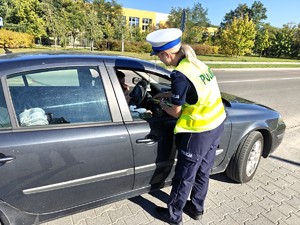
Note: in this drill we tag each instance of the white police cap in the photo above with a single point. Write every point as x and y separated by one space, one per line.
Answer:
165 39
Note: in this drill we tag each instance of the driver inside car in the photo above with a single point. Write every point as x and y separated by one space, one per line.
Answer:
125 87
134 107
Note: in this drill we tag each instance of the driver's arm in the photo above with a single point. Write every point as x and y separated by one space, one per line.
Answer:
127 96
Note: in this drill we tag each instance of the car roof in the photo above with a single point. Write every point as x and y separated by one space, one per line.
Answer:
18 62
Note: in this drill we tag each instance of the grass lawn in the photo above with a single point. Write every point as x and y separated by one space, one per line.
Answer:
211 60
220 66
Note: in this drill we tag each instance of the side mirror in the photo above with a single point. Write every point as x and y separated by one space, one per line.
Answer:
135 80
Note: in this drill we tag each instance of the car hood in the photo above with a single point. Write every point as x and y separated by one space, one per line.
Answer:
233 99
238 102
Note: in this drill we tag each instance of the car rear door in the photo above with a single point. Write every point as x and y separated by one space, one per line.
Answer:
81 156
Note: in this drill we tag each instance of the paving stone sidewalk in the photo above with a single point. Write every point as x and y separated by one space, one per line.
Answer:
272 197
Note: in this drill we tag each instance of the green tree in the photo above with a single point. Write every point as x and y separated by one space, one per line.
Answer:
53 22
27 14
5 8
256 13
196 21
262 41
136 34
282 43
65 31
110 18
195 35
241 11
93 30
74 13
174 17
198 16
238 37
110 15
296 43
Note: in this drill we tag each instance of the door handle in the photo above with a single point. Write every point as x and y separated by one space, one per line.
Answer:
147 140
7 159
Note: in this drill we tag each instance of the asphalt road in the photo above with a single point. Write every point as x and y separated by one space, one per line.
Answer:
272 197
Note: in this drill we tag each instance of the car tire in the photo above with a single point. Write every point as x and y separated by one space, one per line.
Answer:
244 162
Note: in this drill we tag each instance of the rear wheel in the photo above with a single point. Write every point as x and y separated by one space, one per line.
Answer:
244 162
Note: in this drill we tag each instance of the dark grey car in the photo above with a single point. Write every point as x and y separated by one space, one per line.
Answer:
69 140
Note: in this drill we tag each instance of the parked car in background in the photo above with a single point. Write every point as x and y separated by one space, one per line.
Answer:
70 142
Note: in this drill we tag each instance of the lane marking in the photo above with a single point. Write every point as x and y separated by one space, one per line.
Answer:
290 78
238 81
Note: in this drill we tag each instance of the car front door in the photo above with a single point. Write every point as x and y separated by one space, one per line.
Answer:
68 145
154 152
223 147
152 140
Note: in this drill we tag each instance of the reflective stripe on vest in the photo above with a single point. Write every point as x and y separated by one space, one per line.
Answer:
208 113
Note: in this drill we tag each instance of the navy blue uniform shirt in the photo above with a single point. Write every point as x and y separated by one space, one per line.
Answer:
183 89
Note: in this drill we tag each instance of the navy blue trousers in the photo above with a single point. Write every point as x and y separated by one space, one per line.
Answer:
196 154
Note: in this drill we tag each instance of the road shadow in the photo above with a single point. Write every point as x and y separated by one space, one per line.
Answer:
222 177
285 160
148 205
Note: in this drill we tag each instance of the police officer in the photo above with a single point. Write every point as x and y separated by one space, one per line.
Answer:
196 102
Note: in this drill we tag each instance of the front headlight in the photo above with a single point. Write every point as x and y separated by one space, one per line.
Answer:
281 124
280 120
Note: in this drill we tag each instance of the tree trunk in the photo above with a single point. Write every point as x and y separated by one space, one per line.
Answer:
55 43
92 45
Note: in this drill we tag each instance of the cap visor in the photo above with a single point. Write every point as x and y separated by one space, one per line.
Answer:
153 53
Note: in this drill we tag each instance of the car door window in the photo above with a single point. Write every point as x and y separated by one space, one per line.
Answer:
67 95
4 117
151 85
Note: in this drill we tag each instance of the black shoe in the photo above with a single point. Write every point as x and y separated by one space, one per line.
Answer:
190 210
163 214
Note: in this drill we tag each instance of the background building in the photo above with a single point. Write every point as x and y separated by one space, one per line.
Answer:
143 19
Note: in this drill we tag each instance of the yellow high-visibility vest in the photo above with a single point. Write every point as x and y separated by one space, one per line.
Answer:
208 113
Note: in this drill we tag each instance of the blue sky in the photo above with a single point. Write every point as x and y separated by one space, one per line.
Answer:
279 12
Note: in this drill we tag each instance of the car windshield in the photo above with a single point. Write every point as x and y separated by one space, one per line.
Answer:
153 78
